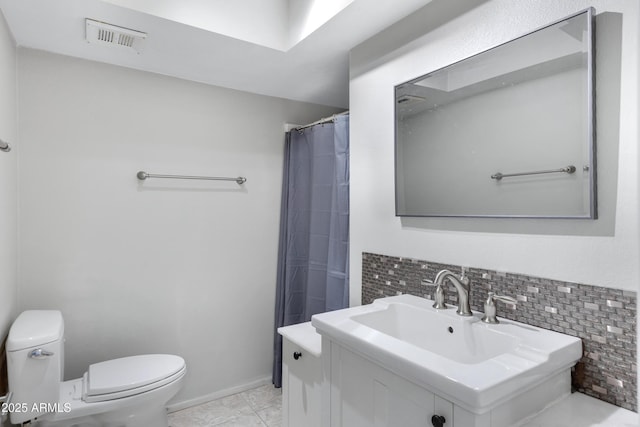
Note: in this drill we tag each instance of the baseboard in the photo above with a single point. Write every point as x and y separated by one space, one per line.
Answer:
177 406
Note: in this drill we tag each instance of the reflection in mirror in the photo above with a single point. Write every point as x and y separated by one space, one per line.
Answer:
508 132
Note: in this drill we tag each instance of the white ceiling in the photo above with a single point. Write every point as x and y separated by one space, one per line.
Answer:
295 49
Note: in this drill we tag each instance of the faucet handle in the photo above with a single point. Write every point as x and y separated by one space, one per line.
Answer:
464 280
503 298
438 298
490 307
463 277
438 295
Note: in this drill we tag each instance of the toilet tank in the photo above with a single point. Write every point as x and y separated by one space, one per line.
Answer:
35 361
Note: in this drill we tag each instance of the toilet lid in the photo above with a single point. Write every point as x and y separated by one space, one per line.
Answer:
124 377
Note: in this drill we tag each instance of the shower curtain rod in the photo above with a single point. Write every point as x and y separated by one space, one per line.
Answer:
321 121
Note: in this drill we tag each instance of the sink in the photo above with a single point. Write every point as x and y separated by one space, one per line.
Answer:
464 342
473 364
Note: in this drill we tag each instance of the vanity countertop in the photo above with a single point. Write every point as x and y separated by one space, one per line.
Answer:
580 410
303 335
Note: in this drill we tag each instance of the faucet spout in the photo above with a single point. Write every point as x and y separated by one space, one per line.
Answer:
462 287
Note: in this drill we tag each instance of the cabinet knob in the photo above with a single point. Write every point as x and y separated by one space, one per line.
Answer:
297 355
438 421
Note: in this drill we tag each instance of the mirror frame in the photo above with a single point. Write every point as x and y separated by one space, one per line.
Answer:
590 113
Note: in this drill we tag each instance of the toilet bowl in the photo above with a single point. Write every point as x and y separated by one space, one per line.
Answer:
126 392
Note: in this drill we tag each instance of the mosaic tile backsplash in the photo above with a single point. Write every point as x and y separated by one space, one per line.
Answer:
604 318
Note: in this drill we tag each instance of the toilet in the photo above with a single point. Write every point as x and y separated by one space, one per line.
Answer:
127 392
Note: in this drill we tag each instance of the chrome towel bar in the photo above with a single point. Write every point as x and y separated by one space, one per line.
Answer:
4 146
569 169
144 175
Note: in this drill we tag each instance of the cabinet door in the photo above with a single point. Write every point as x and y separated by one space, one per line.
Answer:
364 394
301 387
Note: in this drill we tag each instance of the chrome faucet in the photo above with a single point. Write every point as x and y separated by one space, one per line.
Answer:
490 307
462 286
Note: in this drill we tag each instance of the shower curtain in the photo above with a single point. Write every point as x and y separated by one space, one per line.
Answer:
313 254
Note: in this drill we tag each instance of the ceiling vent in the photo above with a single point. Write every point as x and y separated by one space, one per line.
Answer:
112 35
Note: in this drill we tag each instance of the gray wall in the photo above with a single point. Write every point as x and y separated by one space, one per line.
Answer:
567 250
8 179
603 252
164 266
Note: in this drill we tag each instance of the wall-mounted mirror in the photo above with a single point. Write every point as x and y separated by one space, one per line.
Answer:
508 132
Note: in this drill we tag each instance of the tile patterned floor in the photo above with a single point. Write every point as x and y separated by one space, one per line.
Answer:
259 407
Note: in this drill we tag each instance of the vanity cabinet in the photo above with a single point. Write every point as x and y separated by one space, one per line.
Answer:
301 376
361 393
401 362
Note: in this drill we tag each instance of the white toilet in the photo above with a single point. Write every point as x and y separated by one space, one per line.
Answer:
128 392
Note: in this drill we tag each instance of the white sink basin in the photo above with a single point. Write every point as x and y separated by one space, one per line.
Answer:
473 364
463 342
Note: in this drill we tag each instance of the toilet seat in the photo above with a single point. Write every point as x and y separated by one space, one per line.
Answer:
128 376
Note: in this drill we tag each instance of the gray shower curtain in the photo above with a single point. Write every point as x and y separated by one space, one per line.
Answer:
313 254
